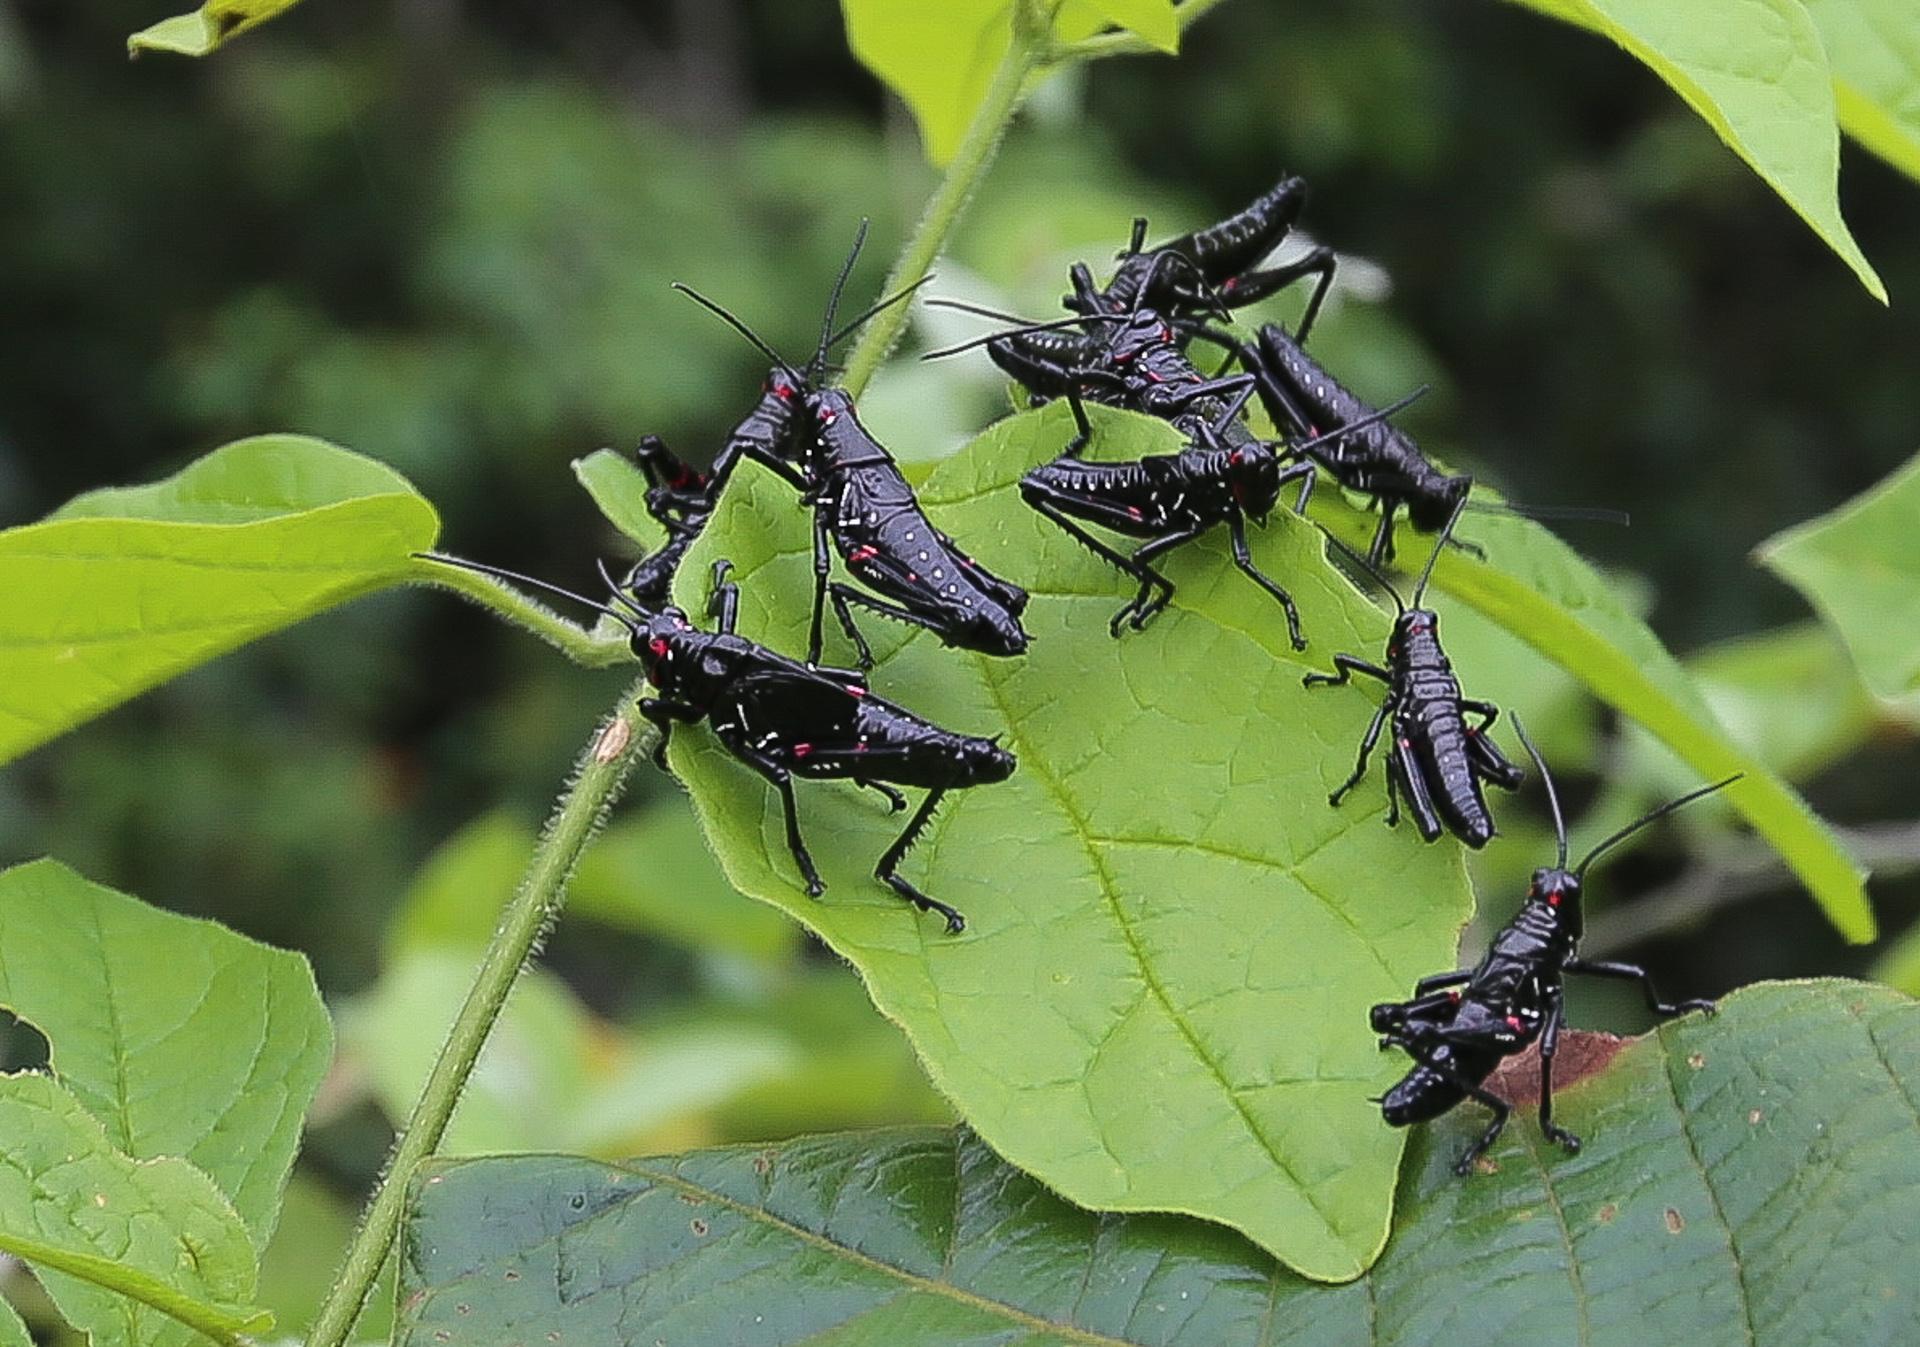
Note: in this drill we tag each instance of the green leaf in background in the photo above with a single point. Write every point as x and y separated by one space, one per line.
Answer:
130 1250
1858 567
455 899
199 33
124 588
653 872
1756 71
214 1045
940 58
1750 1180
553 1076
1159 885
1874 49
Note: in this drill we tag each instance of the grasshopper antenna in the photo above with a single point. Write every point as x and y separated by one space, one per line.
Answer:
1581 870
738 326
819 365
1553 796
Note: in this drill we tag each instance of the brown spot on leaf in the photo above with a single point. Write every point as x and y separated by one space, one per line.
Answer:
1753 1115
1696 1060
1581 1054
699 1227
1674 1223
1608 1212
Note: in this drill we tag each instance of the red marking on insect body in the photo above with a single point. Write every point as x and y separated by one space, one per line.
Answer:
855 690
1553 900
866 553
801 750
1134 510
659 647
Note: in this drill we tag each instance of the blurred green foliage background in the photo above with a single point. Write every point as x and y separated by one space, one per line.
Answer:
442 234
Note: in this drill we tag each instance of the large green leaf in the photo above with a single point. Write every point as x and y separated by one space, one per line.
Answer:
1757 72
1750 1180
132 1251
181 1037
1170 805
1858 567
1158 885
124 588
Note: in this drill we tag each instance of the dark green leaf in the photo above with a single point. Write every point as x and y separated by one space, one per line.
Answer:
1750 1180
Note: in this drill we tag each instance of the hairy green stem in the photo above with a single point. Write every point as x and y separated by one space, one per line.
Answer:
970 163
598 775
579 645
